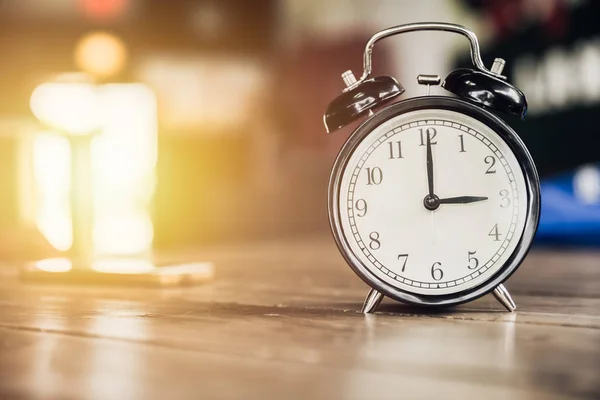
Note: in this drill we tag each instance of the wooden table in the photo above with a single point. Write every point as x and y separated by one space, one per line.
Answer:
281 321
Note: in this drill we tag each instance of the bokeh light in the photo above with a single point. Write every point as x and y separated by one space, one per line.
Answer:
100 54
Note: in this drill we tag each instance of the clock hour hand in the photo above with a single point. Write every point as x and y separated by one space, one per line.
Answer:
462 200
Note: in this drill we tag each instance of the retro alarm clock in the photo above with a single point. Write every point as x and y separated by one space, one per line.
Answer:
433 200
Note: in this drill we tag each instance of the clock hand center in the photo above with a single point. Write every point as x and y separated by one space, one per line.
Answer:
431 203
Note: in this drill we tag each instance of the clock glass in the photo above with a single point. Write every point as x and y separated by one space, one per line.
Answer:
432 202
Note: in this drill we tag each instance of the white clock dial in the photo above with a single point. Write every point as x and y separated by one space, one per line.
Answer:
455 247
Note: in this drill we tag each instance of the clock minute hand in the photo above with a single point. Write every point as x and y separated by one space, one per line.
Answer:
429 166
462 200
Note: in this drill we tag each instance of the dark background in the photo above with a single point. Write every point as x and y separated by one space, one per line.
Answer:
564 135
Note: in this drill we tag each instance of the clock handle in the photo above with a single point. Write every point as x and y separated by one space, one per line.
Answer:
422 26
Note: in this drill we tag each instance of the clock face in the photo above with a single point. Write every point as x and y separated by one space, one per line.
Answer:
434 229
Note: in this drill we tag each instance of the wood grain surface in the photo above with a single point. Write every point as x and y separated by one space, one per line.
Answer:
281 321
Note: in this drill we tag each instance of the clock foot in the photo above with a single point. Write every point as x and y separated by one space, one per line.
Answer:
371 301
502 295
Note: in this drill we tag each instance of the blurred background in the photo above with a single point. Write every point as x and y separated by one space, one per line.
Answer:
193 122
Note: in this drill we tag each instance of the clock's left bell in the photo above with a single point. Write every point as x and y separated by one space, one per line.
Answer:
352 104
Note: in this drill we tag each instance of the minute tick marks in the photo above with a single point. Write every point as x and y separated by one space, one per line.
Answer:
399 181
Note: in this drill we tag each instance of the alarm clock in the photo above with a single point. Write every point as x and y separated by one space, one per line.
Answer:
433 200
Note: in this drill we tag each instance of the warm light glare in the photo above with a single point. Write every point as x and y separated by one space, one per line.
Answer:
129 232
123 167
71 108
123 160
51 169
123 266
54 265
100 54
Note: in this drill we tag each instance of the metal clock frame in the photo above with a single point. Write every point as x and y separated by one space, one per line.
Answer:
494 284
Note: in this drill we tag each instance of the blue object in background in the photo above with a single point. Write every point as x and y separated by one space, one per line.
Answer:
571 209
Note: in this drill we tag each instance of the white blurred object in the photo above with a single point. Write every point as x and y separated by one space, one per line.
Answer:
561 78
586 184
123 169
122 158
69 106
204 92
52 181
